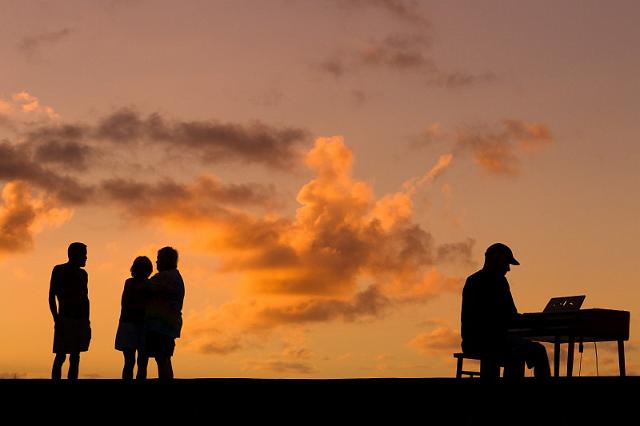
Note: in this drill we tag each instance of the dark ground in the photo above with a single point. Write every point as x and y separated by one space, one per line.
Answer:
581 400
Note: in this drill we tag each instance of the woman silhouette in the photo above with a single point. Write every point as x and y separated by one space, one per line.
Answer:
131 326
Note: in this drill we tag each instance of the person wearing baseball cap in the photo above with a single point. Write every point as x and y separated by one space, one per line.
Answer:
488 310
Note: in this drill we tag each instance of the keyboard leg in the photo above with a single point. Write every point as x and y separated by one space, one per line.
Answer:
621 358
556 358
570 357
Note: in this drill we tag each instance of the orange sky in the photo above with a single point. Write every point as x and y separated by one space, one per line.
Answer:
330 172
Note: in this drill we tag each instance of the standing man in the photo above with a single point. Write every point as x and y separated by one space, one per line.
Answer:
71 314
163 317
487 312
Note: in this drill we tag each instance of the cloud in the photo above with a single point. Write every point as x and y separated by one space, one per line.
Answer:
16 163
5 376
407 11
22 214
279 366
23 109
203 199
496 150
431 136
68 155
438 341
32 44
210 141
345 256
207 141
293 359
401 52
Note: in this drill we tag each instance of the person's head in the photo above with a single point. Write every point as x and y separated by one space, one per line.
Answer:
141 267
77 253
167 259
498 257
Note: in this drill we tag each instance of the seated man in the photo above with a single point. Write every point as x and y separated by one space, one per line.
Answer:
487 311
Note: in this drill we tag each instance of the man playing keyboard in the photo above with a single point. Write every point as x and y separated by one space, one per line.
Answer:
487 311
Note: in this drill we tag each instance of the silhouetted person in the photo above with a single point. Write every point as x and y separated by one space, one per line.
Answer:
487 312
131 324
163 317
71 315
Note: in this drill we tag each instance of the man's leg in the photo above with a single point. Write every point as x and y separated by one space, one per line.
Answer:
539 360
56 370
74 366
143 361
534 353
165 370
514 367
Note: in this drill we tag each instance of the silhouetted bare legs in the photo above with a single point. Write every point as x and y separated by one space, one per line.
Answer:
56 371
165 370
130 362
74 366
143 361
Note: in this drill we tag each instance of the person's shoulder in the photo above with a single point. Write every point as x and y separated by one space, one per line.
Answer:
475 277
130 282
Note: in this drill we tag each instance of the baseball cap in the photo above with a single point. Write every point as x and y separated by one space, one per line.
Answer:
499 248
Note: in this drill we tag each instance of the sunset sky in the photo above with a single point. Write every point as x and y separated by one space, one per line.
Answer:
330 171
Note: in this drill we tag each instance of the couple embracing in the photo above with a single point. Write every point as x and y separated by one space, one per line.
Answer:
151 314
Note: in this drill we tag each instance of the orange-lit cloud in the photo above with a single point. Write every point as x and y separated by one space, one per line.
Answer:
439 341
24 213
496 150
345 256
17 163
22 109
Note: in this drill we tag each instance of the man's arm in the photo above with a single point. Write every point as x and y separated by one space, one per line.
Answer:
52 296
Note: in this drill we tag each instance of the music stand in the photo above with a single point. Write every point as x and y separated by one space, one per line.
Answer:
564 304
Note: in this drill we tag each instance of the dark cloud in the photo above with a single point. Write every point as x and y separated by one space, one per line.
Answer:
404 52
209 141
454 80
460 253
71 155
497 149
368 303
205 198
16 163
334 66
30 45
400 51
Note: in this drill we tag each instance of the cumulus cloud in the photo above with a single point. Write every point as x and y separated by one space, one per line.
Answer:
24 109
345 256
32 44
497 149
438 341
22 214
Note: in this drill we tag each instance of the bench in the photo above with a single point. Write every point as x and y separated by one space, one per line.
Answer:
489 366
